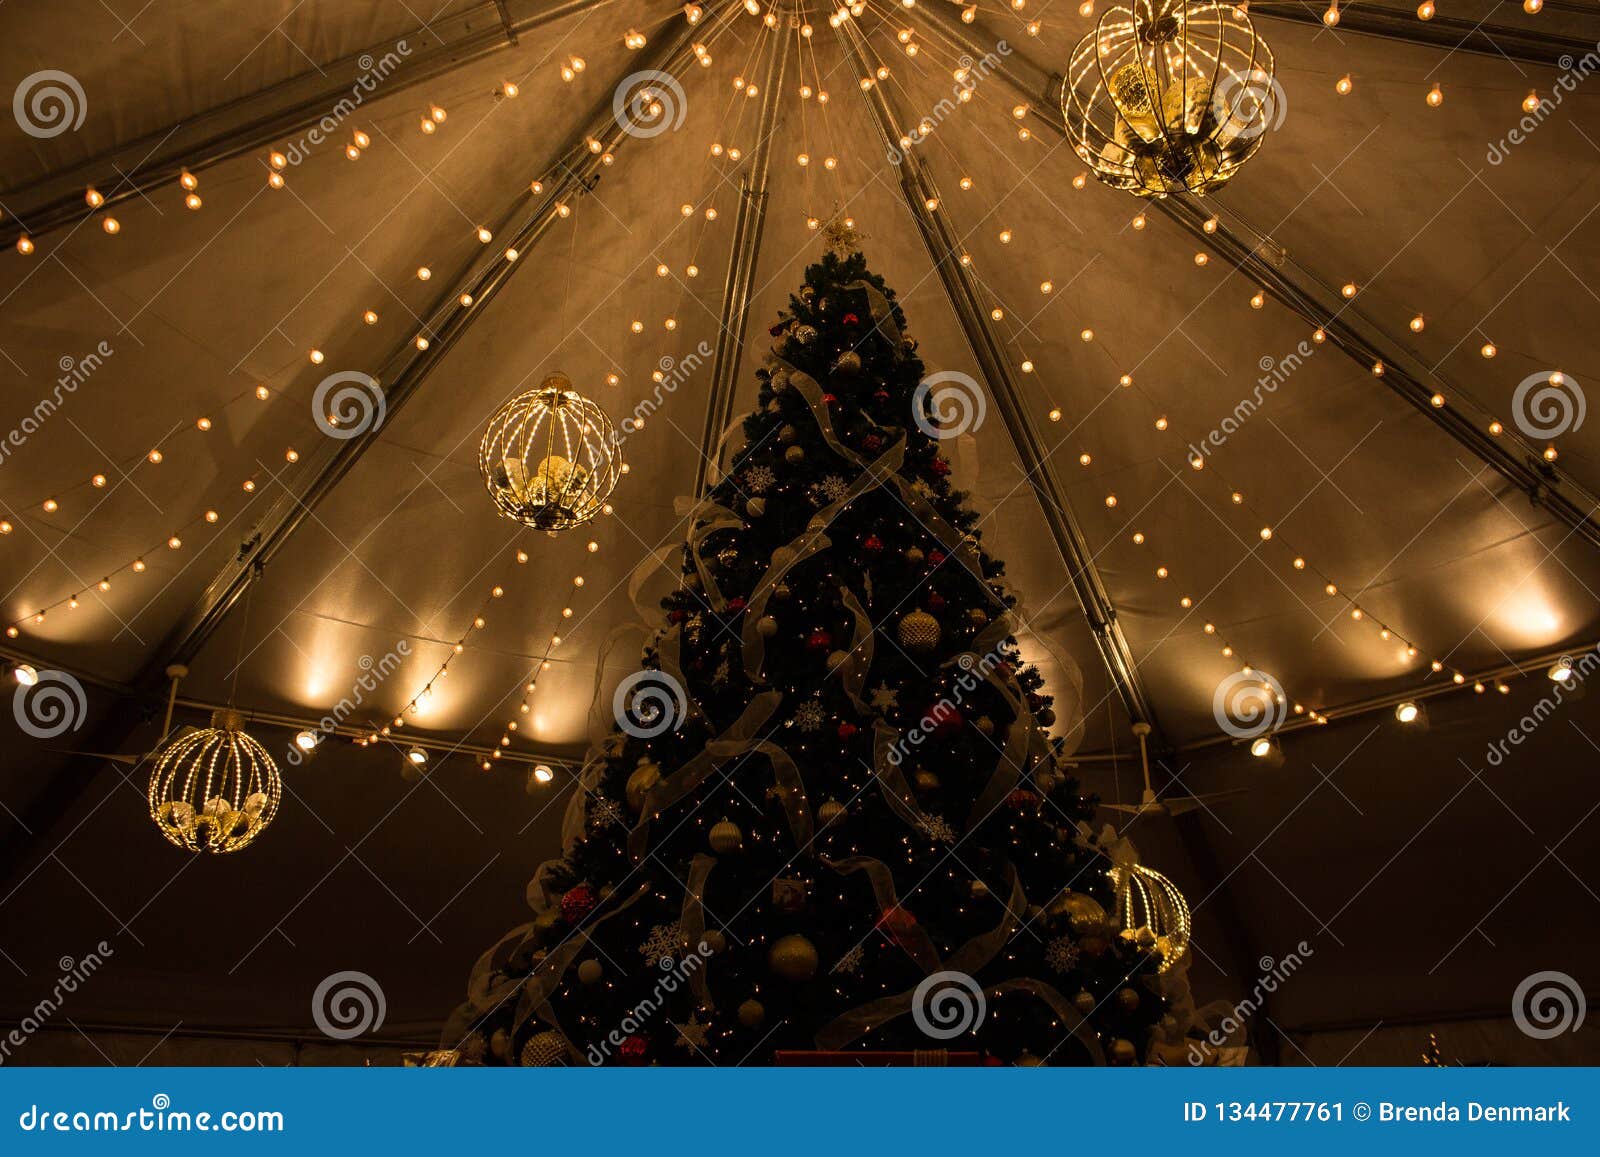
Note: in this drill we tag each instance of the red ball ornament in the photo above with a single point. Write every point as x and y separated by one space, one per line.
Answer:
632 1050
819 640
851 319
944 719
936 601
872 544
847 730
831 399
677 616
578 902
736 604
939 467
872 443
880 396
936 557
1021 799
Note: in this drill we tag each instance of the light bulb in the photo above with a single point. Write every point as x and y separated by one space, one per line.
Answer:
1344 85
1435 96
1407 712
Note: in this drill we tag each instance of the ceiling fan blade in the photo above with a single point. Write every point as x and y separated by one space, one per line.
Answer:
1128 808
132 760
1178 805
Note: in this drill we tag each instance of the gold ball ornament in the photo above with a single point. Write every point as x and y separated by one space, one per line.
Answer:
1093 945
590 972
1083 914
984 724
766 626
756 507
474 1048
645 776
848 364
830 811
794 455
1028 1061
752 1013
544 1049
914 556
794 958
837 659
978 617
500 1044
919 632
1123 1052
781 593
924 780
787 434
713 941
1083 1001
726 837
1127 999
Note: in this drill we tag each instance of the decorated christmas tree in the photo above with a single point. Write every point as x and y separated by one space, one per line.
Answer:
831 817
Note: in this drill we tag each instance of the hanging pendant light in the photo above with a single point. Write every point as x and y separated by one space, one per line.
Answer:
550 457
1170 96
214 789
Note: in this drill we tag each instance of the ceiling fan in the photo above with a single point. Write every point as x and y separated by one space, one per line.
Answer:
1149 804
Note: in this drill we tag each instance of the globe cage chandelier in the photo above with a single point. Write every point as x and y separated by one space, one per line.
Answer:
1170 96
214 789
550 457
1151 911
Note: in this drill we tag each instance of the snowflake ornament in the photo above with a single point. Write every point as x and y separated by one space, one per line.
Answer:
759 479
850 962
833 488
935 828
662 944
1061 954
808 716
604 812
691 1036
885 697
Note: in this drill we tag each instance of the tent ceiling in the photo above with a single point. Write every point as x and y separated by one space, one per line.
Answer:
198 309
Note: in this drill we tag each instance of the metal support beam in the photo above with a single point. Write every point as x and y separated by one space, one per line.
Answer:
572 173
1346 328
277 114
944 249
1502 41
747 228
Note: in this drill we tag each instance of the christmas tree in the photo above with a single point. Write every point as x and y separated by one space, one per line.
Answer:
839 823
